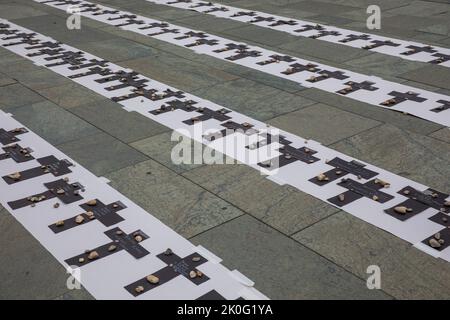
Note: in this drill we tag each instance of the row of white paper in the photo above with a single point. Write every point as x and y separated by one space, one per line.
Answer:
297 174
422 109
290 26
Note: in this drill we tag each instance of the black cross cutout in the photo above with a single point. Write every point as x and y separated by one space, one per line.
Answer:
89 7
179 1
440 58
7 137
244 54
401 97
416 49
176 267
26 38
6 31
341 169
96 70
355 86
354 37
268 139
46 44
324 33
105 12
151 94
208 114
123 16
176 105
232 46
200 42
130 22
46 51
163 31
17 153
418 202
199 5
328 75
192 34
297 67
60 189
244 13
309 27
275 59
117 76
259 19
444 235
215 9
155 25
283 22
441 218
120 240
379 43
445 106
90 63
290 155
67 57
106 214
49 164
231 127
356 190
127 79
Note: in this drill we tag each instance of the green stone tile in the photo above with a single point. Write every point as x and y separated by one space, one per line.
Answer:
179 73
323 123
75 294
7 57
118 49
15 11
443 134
282 207
397 119
320 7
313 49
100 153
208 23
28 270
430 74
421 9
260 35
177 202
70 95
114 120
53 123
280 267
253 99
406 272
16 95
417 157
5 80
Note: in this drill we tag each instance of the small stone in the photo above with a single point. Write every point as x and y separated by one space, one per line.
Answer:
437 236
15 176
153 279
192 274
139 289
341 197
406 192
168 252
56 205
138 238
112 248
115 205
441 241
375 198
60 191
79 219
196 259
401 210
92 202
447 203
59 223
444 219
383 183
199 273
89 214
66 179
81 260
434 243
338 172
93 255
119 232
322 177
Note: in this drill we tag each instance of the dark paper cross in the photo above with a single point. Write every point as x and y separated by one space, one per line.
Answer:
7 137
290 155
355 86
207 114
440 58
275 59
176 105
401 97
324 74
416 49
445 106
354 37
16 153
297 67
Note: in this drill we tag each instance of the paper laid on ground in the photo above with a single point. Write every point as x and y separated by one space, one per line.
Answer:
372 90
407 209
409 50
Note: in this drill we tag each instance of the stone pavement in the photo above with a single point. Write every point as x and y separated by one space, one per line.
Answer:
292 245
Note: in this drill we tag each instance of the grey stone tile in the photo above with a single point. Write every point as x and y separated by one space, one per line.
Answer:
17 95
53 123
261 35
421 9
406 272
76 294
160 147
5 80
443 134
209 23
70 95
397 119
177 202
323 123
114 120
27 270
253 99
420 158
16 11
100 153
320 7
431 74
282 207
180 73
306 47
7 57
281 267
